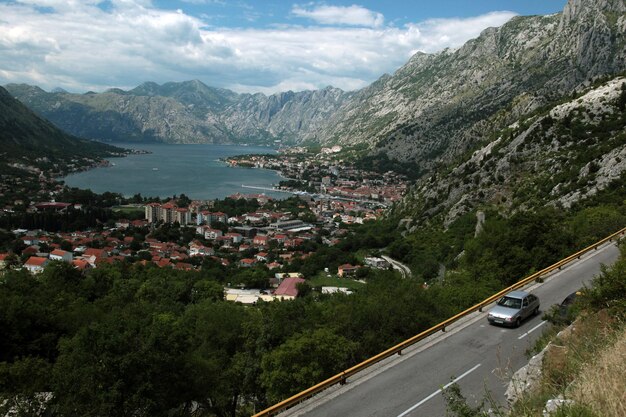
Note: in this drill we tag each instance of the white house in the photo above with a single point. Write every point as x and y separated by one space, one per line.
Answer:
200 250
61 255
212 234
36 264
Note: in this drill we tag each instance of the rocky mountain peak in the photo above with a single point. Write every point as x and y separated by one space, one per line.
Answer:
576 9
148 88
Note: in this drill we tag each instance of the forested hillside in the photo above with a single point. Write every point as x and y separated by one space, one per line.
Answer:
130 339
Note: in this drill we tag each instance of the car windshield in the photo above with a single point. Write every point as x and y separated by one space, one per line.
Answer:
510 302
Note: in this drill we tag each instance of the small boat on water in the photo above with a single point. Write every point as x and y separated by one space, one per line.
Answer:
155 169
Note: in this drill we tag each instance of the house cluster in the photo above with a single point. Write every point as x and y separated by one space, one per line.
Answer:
36 180
269 238
284 287
266 237
328 175
78 248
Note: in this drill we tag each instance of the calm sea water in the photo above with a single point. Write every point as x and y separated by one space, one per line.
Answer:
193 170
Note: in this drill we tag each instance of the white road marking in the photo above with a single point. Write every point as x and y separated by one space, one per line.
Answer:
439 390
532 330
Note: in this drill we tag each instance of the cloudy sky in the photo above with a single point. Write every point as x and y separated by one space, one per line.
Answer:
244 45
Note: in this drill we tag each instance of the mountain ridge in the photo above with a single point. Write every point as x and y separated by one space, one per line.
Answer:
560 156
428 112
184 112
24 134
442 104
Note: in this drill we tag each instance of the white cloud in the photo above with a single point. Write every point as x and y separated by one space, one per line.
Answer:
339 15
80 47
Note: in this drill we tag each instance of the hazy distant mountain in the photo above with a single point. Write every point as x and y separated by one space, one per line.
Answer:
117 115
186 112
24 136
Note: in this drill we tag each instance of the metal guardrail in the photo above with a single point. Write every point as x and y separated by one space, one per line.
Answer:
341 377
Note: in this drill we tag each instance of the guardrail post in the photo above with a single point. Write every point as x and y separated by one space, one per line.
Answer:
443 329
400 353
343 381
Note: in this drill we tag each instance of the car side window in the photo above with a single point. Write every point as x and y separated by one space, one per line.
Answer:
531 298
526 302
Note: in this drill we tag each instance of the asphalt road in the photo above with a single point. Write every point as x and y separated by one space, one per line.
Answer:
405 271
479 356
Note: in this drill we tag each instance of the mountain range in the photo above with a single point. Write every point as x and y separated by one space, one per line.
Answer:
25 138
185 112
428 113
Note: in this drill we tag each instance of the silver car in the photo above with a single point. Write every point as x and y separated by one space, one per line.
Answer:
514 307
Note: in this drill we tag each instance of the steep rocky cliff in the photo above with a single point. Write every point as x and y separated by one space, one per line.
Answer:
560 155
439 105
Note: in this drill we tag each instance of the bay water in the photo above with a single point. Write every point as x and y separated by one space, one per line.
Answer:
168 170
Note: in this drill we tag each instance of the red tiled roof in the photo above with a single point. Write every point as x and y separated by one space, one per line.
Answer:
80 264
288 287
164 262
183 266
31 250
36 261
98 253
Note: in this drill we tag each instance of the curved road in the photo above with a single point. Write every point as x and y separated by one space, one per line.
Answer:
479 356
405 271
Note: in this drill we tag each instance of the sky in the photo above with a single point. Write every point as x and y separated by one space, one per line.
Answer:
246 46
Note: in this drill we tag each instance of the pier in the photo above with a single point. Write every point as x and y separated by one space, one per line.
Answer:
277 190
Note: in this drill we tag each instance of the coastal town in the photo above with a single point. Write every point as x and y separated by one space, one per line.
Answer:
244 232
326 174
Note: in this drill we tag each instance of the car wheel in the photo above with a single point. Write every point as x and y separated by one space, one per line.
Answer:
518 322
536 311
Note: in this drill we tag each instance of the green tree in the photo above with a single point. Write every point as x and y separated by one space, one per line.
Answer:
217 334
132 363
594 223
304 360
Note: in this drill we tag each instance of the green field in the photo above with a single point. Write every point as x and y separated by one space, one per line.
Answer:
128 209
321 280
